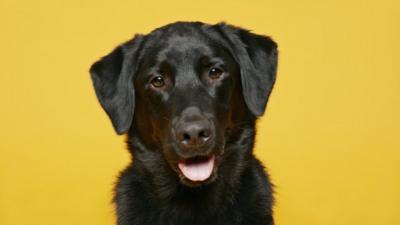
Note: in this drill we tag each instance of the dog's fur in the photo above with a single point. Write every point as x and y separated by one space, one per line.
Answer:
152 190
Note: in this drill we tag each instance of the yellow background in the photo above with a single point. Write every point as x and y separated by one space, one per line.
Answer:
330 138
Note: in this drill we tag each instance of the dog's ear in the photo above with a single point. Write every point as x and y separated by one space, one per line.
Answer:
257 57
112 78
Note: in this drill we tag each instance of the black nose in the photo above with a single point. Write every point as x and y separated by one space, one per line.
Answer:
194 134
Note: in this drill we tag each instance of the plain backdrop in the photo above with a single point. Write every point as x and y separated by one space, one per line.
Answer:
330 137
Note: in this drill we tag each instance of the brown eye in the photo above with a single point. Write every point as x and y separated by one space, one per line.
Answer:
215 73
158 82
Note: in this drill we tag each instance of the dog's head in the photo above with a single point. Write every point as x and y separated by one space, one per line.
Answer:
184 88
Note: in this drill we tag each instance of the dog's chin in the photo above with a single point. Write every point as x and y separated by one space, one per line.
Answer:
198 170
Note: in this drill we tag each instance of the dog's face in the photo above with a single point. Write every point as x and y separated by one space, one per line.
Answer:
184 88
184 97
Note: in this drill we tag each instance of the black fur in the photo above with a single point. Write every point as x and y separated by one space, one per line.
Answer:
152 190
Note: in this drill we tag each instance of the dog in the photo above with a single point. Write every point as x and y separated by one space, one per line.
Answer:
188 95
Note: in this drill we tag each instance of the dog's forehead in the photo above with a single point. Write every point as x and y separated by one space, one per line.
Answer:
184 48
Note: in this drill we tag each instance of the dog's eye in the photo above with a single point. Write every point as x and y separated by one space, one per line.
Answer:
215 73
157 82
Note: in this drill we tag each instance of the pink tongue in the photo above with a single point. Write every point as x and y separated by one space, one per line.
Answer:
198 171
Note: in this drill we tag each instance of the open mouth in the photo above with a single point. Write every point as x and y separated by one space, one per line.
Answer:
197 168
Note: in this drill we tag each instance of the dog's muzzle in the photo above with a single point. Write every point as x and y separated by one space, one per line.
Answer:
194 135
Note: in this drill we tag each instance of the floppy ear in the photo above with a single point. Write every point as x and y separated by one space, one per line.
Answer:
112 78
257 57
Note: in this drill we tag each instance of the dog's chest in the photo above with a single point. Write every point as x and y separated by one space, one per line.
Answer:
196 216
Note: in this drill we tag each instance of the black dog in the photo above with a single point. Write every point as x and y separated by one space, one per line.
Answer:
188 94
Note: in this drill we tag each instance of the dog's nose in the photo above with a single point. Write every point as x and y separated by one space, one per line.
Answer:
194 134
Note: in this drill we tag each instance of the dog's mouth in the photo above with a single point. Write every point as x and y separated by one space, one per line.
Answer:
198 168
